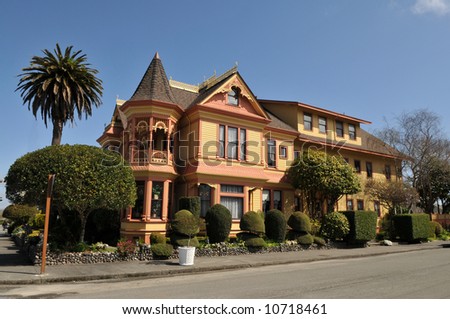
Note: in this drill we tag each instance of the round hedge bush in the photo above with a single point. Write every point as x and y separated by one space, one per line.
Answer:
162 251
253 223
436 228
157 238
185 223
275 224
306 239
218 223
255 242
300 222
335 226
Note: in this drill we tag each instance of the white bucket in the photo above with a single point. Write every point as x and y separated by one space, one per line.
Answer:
186 255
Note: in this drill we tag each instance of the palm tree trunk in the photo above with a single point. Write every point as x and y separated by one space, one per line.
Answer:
57 132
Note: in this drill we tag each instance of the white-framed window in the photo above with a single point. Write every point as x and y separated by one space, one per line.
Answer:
232 197
232 142
307 121
322 124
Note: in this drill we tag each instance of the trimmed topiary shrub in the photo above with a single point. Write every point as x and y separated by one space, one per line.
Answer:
275 224
243 236
255 242
20 214
436 229
253 223
335 226
185 223
157 238
363 226
319 241
306 239
183 240
191 203
162 251
412 227
218 223
300 222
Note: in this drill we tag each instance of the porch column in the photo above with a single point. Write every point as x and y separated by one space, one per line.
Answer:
165 201
147 200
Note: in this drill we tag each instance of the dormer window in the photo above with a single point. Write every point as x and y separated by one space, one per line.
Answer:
233 96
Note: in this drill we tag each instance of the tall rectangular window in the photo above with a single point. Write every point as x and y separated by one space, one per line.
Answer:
243 144
307 121
369 169
221 151
349 204
232 143
352 131
157 199
138 209
358 166
339 129
266 203
271 153
360 204
377 207
277 203
387 171
204 192
322 125
232 197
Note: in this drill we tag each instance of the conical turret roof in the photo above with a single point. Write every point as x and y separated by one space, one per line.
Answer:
154 84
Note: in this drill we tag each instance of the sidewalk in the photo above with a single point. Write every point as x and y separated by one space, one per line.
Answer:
15 270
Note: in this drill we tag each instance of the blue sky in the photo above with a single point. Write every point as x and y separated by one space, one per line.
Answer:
368 59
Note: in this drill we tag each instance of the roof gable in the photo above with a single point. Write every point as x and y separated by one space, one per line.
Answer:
216 96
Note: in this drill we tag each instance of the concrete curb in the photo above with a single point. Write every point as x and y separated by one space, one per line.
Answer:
46 278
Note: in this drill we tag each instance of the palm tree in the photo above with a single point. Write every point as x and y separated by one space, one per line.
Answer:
60 86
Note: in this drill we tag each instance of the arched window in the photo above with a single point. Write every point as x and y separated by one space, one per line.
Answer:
233 96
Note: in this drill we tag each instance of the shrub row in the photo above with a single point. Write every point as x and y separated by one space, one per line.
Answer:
412 227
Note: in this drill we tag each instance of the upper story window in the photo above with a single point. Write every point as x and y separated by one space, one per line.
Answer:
369 169
358 166
322 124
233 96
387 171
352 131
271 153
283 152
339 129
232 142
307 121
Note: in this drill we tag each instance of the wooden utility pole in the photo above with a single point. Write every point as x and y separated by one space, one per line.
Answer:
51 181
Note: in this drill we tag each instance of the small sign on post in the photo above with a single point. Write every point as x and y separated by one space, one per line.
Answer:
51 181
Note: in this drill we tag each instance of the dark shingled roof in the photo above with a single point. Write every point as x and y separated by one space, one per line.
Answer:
278 123
154 84
184 98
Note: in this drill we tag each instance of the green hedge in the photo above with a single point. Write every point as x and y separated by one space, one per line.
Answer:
363 226
275 223
162 251
253 223
218 223
412 227
157 238
300 222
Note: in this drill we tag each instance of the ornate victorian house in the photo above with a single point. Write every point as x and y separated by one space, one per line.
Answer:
218 141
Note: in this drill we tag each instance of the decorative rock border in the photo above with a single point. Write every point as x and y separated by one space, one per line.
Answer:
143 253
